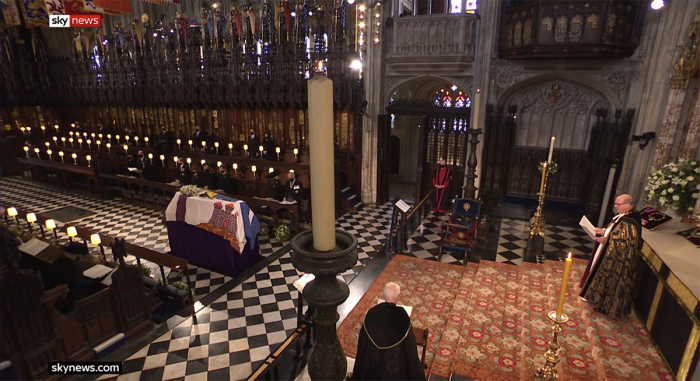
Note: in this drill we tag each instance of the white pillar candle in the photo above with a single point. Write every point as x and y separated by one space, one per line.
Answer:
320 96
475 108
551 149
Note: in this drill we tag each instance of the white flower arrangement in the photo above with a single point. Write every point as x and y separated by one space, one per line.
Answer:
190 190
675 186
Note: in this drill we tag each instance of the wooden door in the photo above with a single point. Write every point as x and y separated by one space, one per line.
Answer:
383 157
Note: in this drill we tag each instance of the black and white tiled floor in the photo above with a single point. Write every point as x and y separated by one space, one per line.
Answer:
512 237
231 336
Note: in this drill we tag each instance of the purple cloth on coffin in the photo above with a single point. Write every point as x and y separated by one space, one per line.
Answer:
210 251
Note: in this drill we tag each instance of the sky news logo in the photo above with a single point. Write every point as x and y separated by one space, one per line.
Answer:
75 21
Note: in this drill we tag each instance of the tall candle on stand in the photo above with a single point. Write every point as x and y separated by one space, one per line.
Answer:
320 91
564 281
475 108
544 173
551 149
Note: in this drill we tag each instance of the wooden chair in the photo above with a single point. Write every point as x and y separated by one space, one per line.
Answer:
457 234
422 341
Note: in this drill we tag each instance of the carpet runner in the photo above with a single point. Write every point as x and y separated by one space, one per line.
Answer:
488 322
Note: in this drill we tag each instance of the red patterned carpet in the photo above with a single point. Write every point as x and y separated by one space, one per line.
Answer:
489 323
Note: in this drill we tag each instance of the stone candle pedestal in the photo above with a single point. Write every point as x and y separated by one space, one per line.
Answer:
325 293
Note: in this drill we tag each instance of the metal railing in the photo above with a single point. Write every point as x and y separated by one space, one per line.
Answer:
402 224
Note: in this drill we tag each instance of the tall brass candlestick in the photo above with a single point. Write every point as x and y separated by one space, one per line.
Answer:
321 161
549 371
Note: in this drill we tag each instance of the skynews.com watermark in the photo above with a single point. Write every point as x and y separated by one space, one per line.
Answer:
75 21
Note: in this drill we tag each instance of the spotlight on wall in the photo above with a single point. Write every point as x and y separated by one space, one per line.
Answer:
657 4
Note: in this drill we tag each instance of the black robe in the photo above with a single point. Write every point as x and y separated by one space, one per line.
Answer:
441 196
387 349
254 147
609 285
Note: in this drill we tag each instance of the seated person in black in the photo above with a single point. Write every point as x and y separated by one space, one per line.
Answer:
143 164
292 189
182 172
223 181
275 190
386 348
208 177
196 176
197 139
132 163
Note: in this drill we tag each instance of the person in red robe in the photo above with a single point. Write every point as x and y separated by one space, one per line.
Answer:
441 184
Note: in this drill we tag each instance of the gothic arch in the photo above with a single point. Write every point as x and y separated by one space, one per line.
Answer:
425 86
613 100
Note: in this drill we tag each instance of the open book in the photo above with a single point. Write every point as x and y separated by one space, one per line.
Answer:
408 309
588 227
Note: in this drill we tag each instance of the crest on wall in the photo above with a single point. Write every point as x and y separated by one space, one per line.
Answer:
554 95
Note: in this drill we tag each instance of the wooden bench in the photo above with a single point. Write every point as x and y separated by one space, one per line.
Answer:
66 174
146 192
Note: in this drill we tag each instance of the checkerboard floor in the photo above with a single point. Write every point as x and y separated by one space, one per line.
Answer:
138 225
229 338
511 235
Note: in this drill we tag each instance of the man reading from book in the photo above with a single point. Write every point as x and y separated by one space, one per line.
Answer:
386 349
609 278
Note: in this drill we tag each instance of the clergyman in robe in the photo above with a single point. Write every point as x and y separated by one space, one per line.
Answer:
609 277
386 348
441 184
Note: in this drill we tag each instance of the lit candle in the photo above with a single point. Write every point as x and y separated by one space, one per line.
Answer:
109 136
88 157
202 161
29 130
296 152
544 173
150 158
50 224
230 148
80 141
218 164
50 153
204 144
95 239
162 160
127 138
126 148
136 139
178 144
55 141
271 170
71 133
75 158
320 101
260 149
60 153
254 169
98 145
56 127
12 212
475 108
245 148
190 143
43 129
216 144
99 136
235 167
109 147
47 144
564 281
36 151
89 142
63 139
118 138
71 143
189 160
85 134
146 140
551 149
24 130
71 231
174 158
93 135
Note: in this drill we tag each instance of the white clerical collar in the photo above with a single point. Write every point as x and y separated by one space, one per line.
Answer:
617 217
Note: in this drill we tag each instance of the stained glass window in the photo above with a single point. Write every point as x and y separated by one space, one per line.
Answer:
444 98
455 6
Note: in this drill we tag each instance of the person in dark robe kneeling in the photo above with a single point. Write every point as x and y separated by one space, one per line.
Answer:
386 349
608 280
441 185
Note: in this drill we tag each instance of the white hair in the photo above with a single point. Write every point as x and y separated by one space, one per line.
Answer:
391 292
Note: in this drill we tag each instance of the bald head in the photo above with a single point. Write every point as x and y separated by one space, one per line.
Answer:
391 292
624 203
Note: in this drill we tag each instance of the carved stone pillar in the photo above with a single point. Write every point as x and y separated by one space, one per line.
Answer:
470 188
325 293
667 133
691 142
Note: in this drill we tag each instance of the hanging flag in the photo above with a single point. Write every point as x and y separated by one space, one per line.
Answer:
74 7
90 5
34 13
55 7
10 13
121 6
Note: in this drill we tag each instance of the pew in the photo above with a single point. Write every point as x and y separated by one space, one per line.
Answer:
66 174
